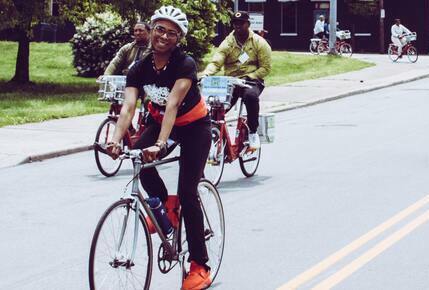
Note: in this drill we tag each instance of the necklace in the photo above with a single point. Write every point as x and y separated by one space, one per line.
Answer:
159 70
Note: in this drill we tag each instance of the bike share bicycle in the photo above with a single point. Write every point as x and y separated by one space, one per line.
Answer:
121 255
218 93
112 90
342 47
408 49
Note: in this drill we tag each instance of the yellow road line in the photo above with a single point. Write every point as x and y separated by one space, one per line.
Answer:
337 256
359 262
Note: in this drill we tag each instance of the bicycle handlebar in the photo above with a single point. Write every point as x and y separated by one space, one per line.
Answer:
134 154
138 154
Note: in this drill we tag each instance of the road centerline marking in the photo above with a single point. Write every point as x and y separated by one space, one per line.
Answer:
353 246
372 253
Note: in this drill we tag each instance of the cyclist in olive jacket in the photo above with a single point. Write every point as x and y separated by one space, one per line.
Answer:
130 52
244 54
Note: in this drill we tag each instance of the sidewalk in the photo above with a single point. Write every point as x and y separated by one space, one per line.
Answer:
39 141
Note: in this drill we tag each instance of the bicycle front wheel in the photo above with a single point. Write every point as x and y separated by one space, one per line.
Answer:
214 224
216 160
313 47
106 164
346 49
111 265
214 227
412 54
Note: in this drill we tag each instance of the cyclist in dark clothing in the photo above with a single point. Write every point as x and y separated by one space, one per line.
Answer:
168 77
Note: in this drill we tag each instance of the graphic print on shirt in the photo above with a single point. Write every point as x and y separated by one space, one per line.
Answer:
158 95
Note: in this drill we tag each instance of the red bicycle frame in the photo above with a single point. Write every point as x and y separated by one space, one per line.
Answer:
233 150
131 135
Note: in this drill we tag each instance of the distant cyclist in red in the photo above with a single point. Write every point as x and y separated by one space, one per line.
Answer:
168 77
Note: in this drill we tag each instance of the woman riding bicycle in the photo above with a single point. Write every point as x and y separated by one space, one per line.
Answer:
169 79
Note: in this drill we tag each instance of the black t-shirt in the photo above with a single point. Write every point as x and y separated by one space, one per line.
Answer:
181 66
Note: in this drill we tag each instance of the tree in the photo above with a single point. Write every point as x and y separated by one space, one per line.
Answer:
21 16
202 29
132 10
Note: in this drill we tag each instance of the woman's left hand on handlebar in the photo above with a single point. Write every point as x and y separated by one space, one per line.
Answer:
151 153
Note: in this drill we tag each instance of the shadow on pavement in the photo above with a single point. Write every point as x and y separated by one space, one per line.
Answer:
245 182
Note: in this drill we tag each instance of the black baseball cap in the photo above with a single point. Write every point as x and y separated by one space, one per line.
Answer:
240 16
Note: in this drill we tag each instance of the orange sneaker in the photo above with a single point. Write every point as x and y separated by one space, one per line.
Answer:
198 278
172 205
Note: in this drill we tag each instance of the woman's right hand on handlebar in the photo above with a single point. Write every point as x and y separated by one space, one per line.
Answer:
115 149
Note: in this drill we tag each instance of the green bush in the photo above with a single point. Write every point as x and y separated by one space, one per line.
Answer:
97 41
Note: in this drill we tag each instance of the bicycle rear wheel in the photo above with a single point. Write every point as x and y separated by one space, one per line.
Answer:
110 263
346 49
107 166
214 227
412 54
216 160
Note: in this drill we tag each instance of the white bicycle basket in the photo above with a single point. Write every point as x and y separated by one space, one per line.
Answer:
217 90
411 37
343 34
111 88
266 129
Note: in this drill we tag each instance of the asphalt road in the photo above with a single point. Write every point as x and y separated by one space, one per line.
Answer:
345 183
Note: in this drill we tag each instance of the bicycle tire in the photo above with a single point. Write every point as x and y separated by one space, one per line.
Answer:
322 48
345 49
412 54
114 267
393 55
216 160
313 47
215 233
105 164
249 158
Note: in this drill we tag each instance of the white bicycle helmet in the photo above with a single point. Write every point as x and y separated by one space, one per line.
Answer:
173 14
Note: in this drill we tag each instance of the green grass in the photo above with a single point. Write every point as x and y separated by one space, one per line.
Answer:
58 92
293 67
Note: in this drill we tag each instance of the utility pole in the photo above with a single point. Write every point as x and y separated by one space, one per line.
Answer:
332 26
381 32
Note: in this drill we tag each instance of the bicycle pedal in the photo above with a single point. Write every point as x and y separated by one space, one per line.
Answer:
251 150
213 162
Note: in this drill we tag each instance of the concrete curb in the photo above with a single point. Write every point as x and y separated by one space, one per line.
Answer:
282 108
41 157
276 109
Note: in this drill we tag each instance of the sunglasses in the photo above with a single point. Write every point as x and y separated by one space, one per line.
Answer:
161 30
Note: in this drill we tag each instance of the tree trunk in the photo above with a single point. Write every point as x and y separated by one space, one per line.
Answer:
22 69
